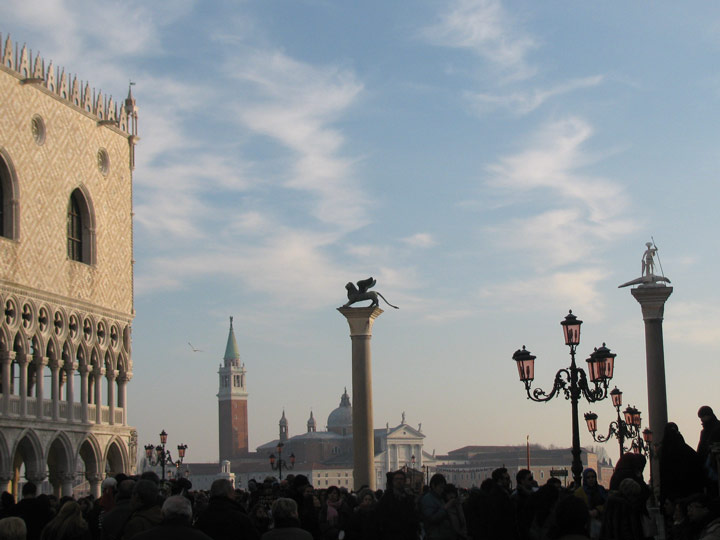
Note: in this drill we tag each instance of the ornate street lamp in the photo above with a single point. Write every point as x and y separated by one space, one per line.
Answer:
622 429
277 464
572 381
163 457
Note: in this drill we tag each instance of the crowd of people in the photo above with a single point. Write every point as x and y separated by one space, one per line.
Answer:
143 508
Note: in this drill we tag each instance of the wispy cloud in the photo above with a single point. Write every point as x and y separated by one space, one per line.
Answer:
523 102
578 289
554 161
696 323
484 27
420 240
577 217
296 104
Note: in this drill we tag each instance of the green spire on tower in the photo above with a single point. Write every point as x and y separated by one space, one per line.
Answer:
231 350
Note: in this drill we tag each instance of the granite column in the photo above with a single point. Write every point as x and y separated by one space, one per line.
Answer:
361 321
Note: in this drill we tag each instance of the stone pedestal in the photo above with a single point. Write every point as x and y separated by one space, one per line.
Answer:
361 321
652 301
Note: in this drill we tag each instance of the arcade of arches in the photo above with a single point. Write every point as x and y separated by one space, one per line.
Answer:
63 381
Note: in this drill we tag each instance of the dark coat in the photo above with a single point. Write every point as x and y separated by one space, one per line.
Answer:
36 513
114 521
224 519
172 529
622 519
398 519
681 470
709 434
289 530
141 520
287 533
364 524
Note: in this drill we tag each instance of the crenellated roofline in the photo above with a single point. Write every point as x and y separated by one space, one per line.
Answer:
67 88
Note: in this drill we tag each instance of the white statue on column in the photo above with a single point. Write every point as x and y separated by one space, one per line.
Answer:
647 275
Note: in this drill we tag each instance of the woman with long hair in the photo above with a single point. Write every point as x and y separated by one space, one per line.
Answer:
67 525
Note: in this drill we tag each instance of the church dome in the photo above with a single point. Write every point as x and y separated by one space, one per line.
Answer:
340 420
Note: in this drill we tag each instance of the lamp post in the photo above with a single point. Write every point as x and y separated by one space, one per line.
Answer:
277 464
573 381
163 457
622 428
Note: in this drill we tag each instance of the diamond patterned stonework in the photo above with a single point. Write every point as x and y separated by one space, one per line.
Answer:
65 325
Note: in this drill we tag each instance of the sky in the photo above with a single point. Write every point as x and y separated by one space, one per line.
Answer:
492 164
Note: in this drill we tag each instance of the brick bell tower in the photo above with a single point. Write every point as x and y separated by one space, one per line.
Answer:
232 402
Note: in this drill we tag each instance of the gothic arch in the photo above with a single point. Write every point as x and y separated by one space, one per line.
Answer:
109 362
81 227
9 198
28 451
122 364
91 455
82 355
20 343
116 457
60 461
38 345
51 351
5 339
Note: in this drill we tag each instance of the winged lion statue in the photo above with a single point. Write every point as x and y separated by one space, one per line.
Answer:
361 292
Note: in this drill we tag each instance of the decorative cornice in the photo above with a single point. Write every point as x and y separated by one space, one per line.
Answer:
75 93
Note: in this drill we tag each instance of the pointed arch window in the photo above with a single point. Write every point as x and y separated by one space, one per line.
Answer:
80 228
8 198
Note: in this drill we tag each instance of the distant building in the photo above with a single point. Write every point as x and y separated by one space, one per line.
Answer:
469 466
325 457
66 278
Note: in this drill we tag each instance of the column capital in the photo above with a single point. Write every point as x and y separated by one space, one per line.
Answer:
56 363
83 369
652 300
93 477
40 360
36 478
112 374
125 377
66 476
361 320
98 371
22 358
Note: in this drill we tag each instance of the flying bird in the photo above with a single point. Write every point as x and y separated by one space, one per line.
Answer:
193 348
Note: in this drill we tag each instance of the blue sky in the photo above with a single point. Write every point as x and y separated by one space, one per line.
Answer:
492 164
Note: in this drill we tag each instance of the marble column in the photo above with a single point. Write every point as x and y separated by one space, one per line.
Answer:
652 301
39 363
22 362
94 479
6 357
84 370
98 373
111 375
123 379
361 321
55 367
70 391
5 482
67 480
